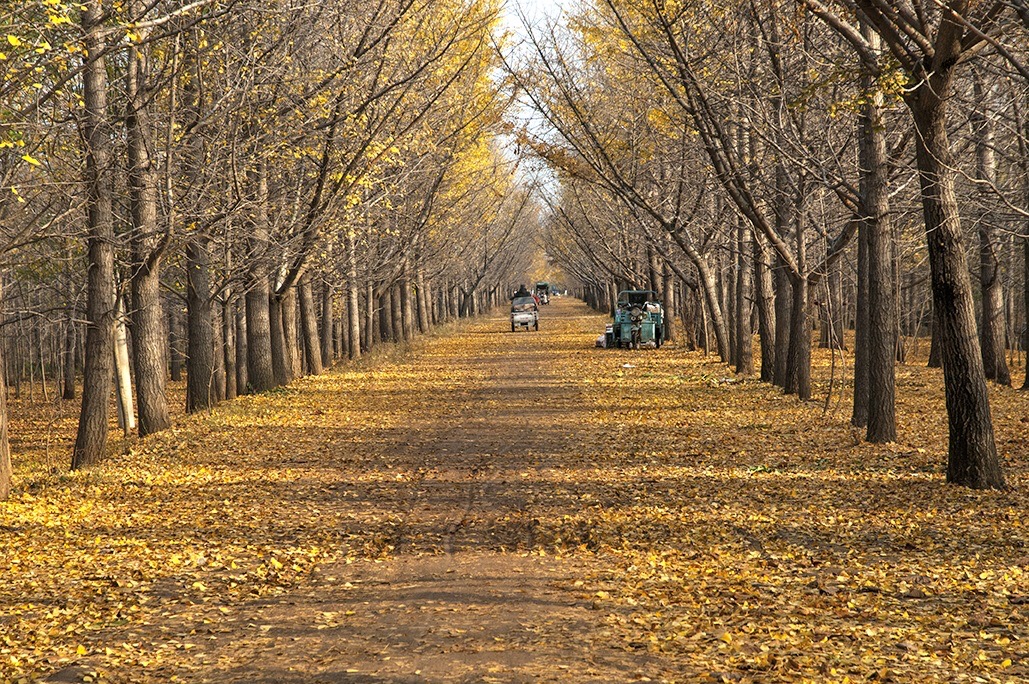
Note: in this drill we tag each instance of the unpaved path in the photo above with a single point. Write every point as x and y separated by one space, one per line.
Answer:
427 477
463 593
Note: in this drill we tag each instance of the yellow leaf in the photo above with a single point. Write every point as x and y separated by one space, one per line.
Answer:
30 159
81 650
13 40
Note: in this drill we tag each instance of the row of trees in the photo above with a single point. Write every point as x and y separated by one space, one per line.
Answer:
761 155
242 189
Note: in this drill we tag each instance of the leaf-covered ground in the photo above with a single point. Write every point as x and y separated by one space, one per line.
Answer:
498 507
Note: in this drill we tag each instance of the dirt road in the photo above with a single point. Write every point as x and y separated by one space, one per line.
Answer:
492 506
462 592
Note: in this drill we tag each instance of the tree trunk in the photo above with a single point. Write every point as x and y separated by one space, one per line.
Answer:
783 325
424 322
260 371
386 317
309 325
281 366
882 304
859 416
261 375
710 289
407 303
972 452
290 330
122 375
97 133
798 362
328 325
744 360
765 296
668 302
831 336
353 299
688 315
991 325
175 356
369 312
6 472
395 313
1025 295
146 319
199 331
229 346
242 373
70 346
218 352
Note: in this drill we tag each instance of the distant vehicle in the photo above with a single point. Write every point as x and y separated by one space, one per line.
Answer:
543 292
639 320
524 313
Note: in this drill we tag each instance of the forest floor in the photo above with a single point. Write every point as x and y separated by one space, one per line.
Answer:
488 506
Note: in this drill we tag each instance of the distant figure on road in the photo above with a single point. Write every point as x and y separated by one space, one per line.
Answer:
522 292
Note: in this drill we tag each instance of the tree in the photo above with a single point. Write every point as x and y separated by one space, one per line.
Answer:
931 46
97 134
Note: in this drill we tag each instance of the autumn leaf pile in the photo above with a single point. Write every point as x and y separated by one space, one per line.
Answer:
715 526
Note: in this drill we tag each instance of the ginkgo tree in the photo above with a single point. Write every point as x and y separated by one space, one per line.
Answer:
250 176
796 140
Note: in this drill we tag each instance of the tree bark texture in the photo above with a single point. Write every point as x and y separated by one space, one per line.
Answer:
882 304
421 293
991 324
327 325
407 304
370 331
97 133
744 360
146 317
668 302
709 285
353 300
798 362
291 332
309 325
859 415
218 352
765 296
122 375
175 351
242 374
199 331
228 311
281 366
260 372
972 452
783 299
